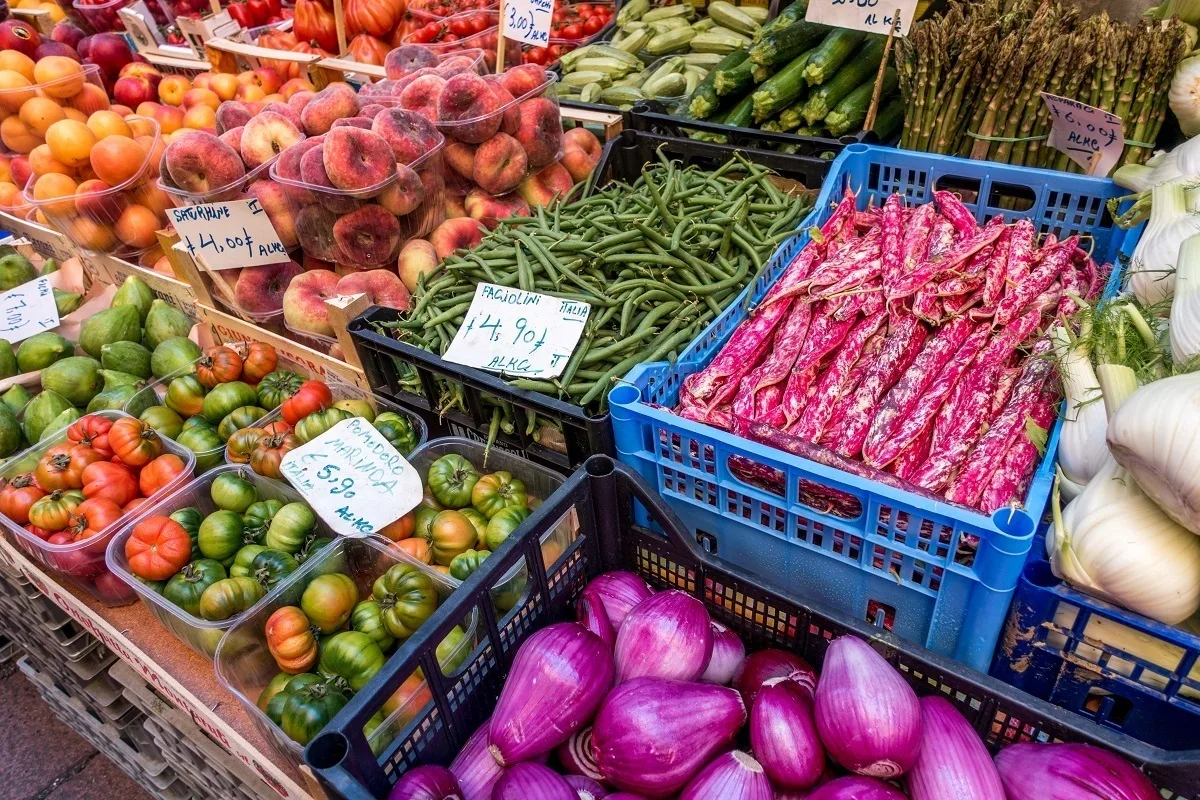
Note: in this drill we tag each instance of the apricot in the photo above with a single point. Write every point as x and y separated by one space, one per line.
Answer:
76 114
43 162
17 136
59 76
199 117
10 196
53 186
136 227
117 159
91 98
15 89
108 123
39 113
91 235
17 61
71 142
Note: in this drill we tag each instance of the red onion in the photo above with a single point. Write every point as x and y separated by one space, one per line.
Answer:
575 754
585 787
619 592
952 762
591 614
730 776
528 781
728 653
652 735
624 796
867 715
426 783
1069 772
474 766
560 675
666 636
856 787
766 664
783 735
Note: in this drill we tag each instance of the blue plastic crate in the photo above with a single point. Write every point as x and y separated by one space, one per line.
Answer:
904 562
1115 667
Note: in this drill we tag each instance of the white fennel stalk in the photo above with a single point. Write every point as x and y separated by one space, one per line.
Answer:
1082 449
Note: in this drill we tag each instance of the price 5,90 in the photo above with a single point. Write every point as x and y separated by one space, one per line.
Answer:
342 486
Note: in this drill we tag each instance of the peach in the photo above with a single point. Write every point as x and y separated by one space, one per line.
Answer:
18 167
371 110
432 211
233 137
314 230
172 88
367 237
469 100
300 99
456 206
288 165
71 142
145 109
140 69
581 153
224 85
313 172
408 59
149 195
357 159
200 162
273 198
304 301
19 137
293 85
136 227
422 96
91 235
39 113
201 97
283 109
405 193
333 102
267 135
417 257
511 119
260 290
382 286
61 76
249 93
5 168
15 89
202 80
200 117
163 265
454 65
116 159
43 162
523 79
353 122
264 78
232 114
93 98
490 209
169 118
540 131
10 196
133 90
500 164
456 234
460 157
540 188
94 201
409 134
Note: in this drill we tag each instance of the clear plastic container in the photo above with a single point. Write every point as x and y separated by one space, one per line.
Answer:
426 11
201 635
82 90
245 666
389 88
82 563
103 18
485 40
121 220
190 8
231 191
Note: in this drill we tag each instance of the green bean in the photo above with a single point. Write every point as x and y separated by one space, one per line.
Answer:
447 315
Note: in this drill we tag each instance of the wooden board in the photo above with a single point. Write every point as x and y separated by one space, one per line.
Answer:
46 241
177 293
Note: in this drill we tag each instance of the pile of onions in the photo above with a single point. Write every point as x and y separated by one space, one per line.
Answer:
633 702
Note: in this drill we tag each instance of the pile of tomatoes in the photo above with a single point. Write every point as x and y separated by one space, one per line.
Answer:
85 484
447 8
453 29
579 20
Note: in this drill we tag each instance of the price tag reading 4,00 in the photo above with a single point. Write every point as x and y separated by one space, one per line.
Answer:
353 478
228 235
518 333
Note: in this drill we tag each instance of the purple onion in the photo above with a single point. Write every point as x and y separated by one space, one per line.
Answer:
591 614
474 766
952 762
857 787
730 776
624 796
575 754
528 781
652 735
426 783
560 675
585 787
783 735
728 653
1075 771
666 636
619 592
867 715
760 667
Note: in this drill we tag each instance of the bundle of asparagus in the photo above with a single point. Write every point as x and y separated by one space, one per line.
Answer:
972 77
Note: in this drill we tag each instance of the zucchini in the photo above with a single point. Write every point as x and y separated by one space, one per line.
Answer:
635 41
591 93
756 13
735 80
889 118
632 11
664 43
851 113
831 54
719 40
705 101
730 16
739 115
781 89
863 65
783 44
669 85
793 13
621 95
702 25
684 11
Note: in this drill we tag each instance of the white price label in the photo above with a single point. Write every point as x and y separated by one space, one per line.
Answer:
27 309
228 235
528 20
515 332
872 16
1091 137
353 478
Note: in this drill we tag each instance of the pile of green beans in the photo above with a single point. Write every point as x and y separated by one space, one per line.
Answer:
657 261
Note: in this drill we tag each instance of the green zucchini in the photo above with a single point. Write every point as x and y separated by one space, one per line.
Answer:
793 13
739 116
851 113
781 89
863 65
784 44
831 54
704 102
889 118
735 80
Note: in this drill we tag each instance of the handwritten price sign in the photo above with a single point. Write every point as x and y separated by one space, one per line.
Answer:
515 332
528 20
228 235
353 478
872 16
1085 133
27 309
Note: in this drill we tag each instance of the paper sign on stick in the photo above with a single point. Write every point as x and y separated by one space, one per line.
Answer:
872 16
1082 131
228 235
353 478
515 332
527 20
28 309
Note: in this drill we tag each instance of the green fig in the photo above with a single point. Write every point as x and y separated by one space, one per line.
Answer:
117 324
76 378
15 398
43 349
172 355
66 302
15 269
49 267
165 322
61 421
41 411
128 357
114 378
134 292
8 360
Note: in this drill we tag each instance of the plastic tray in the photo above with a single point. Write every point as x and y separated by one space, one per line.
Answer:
103 18
1123 670
245 666
761 612
899 561
486 40
86 557
17 137
423 16
230 191
201 635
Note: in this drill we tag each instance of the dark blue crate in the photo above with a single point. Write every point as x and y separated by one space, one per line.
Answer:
904 561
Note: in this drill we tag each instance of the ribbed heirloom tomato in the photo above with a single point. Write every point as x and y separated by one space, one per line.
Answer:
134 442
92 517
92 430
157 548
260 362
160 472
18 496
311 397
104 479
219 365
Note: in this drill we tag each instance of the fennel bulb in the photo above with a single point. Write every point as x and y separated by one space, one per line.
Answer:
1185 307
1114 542
1082 448
1184 95
1152 269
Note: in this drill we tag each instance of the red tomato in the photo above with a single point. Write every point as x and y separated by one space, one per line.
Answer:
312 396
479 24
572 32
450 37
536 55
592 25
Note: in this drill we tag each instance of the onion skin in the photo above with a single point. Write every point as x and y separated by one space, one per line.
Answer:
667 635
591 615
582 783
783 735
560 675
766 664
867 715
625 796
528 781
1076 771
952 761
474 766
651 736
728 653
575 755
857 787
426 783
618 591
730 776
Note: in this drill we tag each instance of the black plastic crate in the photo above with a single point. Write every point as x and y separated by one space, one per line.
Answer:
601 496
389 363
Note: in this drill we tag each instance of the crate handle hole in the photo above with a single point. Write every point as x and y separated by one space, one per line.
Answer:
1107 707
707 541
881 615
1011 197
327 750
966 188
